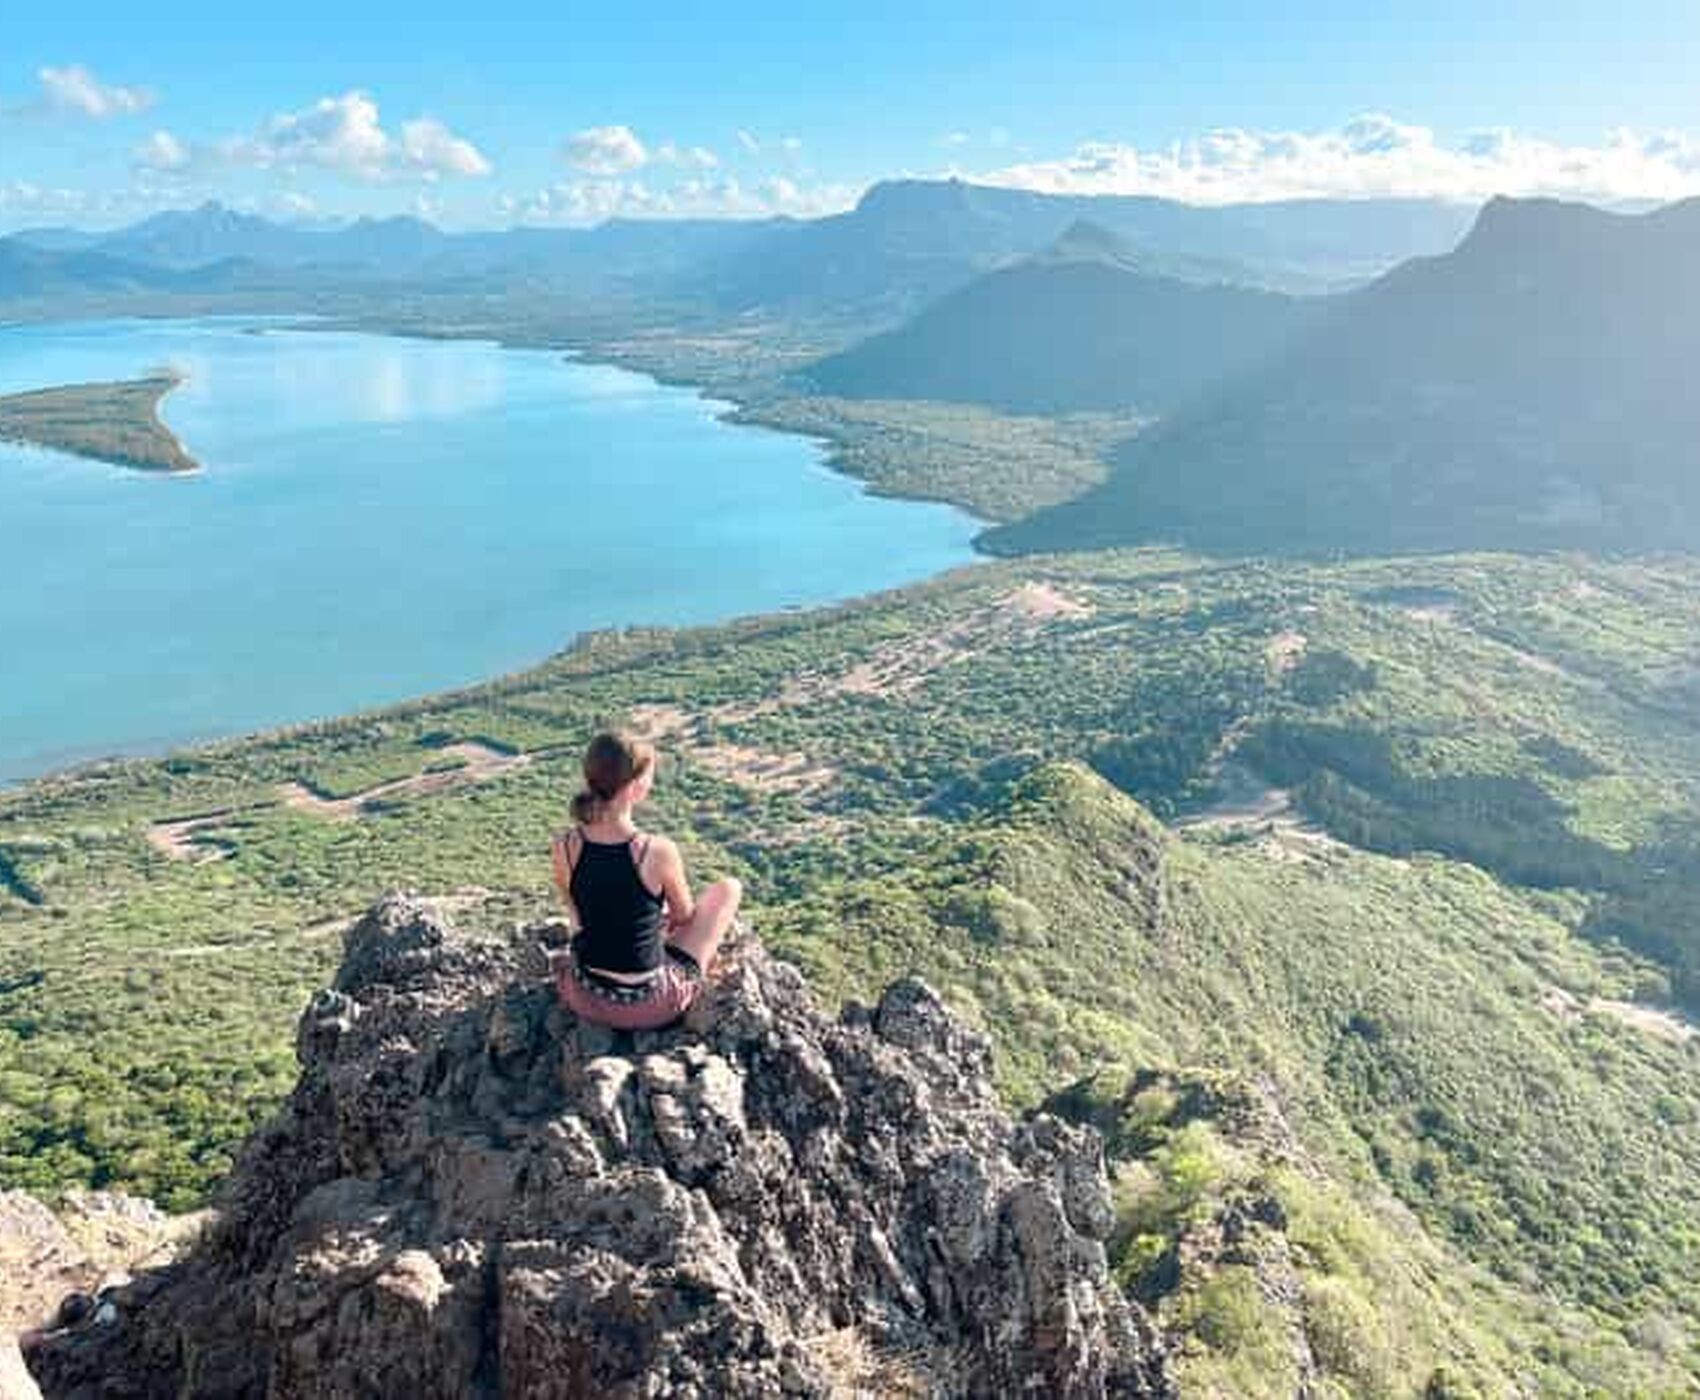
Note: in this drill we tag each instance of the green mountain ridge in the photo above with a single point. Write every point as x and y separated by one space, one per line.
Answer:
1082 327
1528 390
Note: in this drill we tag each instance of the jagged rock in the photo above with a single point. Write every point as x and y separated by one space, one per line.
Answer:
38 1257
470 1194
58 1267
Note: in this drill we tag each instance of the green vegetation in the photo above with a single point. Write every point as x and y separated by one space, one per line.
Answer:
998 466
117 423
1388 1029
1081 327
1456 1083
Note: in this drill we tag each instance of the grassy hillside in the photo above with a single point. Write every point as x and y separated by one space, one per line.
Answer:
1390 1053
1081 329
1440 1121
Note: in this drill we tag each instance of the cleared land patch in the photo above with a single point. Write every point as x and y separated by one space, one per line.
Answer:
901 668
1286 650
480 763
1659 1022
744 765
195 838
891 671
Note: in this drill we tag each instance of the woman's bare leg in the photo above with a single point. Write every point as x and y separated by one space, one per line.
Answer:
716 907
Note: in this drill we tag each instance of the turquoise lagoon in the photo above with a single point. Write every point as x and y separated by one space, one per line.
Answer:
380 518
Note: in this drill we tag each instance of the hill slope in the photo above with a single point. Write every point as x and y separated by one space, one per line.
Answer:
30 272
1531 389
1082 327
1486 1168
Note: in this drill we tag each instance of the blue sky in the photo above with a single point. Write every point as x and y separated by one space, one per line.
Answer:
497 113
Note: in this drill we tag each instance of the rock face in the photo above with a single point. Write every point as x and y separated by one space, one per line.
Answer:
470 1194
39 1262
94 1241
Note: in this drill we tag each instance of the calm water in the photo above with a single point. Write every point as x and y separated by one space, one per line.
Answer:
380 518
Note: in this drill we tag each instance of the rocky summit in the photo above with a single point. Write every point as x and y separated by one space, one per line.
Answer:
470 1194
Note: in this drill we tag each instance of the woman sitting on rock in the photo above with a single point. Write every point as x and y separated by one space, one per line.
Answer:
642 944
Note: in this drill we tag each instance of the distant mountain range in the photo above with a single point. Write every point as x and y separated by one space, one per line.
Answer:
27 271
369 252
1532 388
1082 326
910 241
905 243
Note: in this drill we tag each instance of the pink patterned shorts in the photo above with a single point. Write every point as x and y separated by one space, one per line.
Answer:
644 1006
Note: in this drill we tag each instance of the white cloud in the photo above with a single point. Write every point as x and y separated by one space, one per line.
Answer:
1370 156
582 202
161 152
688 157
24 202
75 89
585 202
605 150
754 144
429 146
344 135
26 197
954 138
337 133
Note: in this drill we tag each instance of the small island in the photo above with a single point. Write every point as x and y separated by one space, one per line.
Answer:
117 423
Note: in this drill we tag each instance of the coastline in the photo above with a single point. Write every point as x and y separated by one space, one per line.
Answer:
994 467
940 457
717 398
581 646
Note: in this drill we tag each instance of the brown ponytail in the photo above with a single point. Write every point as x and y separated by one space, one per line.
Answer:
611 762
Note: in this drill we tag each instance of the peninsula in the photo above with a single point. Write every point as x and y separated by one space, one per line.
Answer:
116 422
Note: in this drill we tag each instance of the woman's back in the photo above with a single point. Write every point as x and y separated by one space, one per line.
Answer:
621 920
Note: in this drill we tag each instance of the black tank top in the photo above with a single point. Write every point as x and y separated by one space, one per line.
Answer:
620 920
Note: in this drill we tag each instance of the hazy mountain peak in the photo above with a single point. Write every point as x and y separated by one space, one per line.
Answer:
1684 213
395 222
885 194
1087 241
1528 390
1507 222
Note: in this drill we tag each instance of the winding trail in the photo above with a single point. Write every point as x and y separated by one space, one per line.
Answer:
195 838
481 762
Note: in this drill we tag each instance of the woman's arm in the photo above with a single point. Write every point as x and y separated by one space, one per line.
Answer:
564 876
669 867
